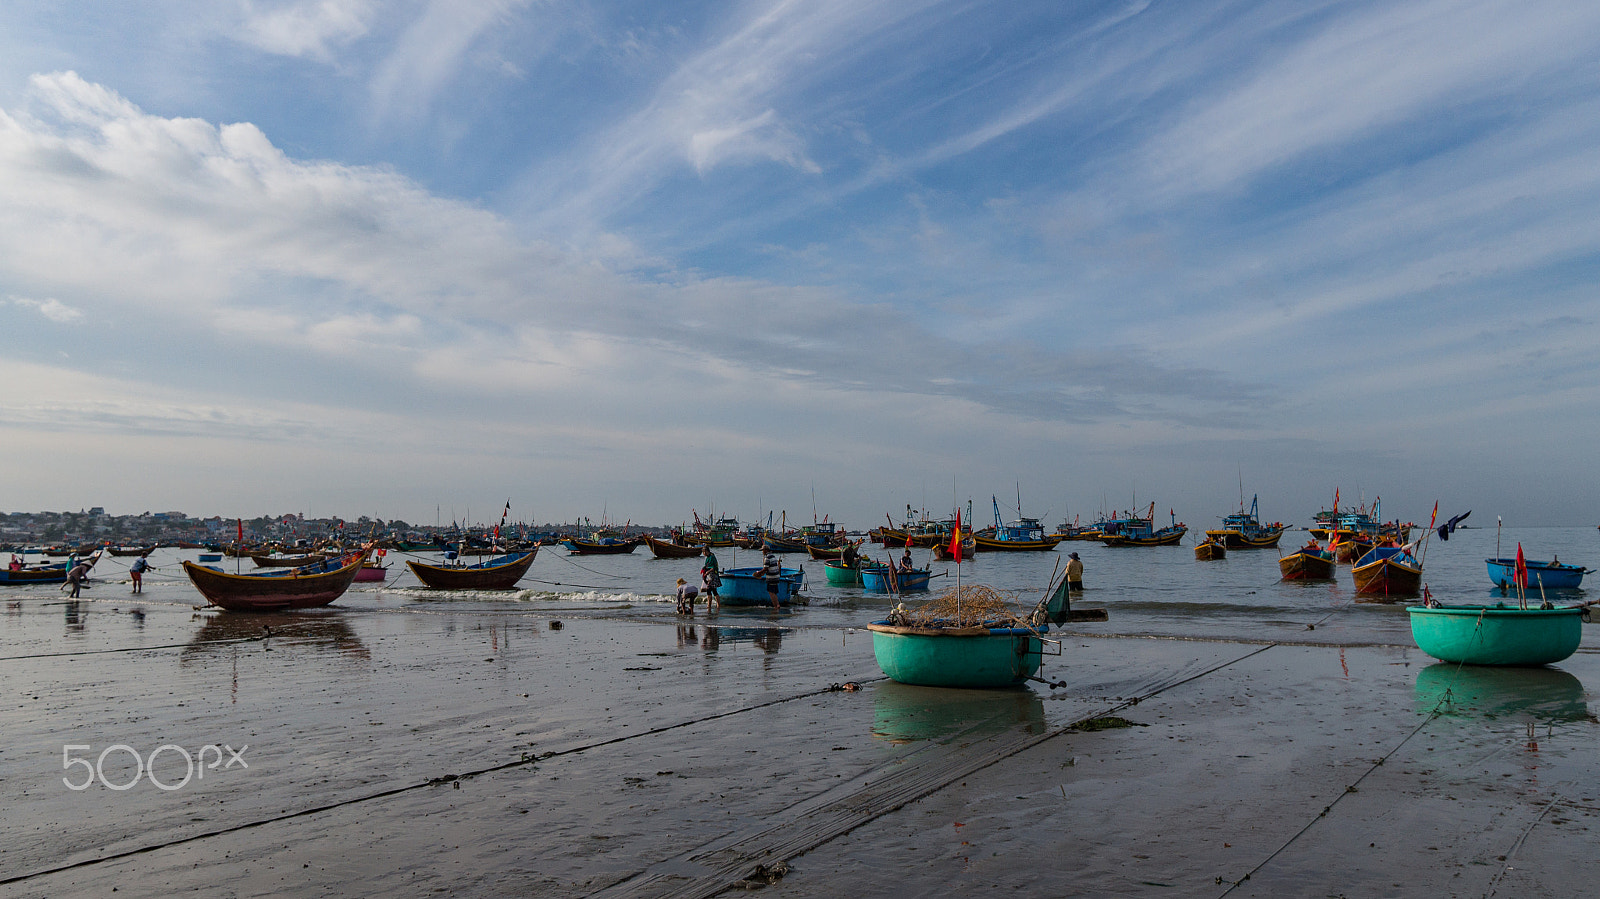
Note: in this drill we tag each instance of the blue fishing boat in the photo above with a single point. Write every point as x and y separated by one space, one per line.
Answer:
1244 530
44 572
1136 531
1552 575
1022 535
887 579
1387 572
746 587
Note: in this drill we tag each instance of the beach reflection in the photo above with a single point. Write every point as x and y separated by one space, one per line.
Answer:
328 630
902 713
1501 693
76 623
769 639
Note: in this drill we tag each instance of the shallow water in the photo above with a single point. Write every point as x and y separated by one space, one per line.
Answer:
577 737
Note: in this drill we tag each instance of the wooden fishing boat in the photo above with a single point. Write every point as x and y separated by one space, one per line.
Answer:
980 656
1022 535
666 549
887 579
270 560
717 533
889 536
495 574
941 551
1552 575
1308 563
746 587
789 543
824 553
840 574
372 572
1244 530
1347 546
1209 550
1385 573
131 550
605 546
1136 531
211 557
43 572
277 589
1497 634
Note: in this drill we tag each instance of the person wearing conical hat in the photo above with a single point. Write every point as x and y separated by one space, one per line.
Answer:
687 594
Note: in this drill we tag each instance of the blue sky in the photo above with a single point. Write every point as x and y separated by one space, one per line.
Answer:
368 257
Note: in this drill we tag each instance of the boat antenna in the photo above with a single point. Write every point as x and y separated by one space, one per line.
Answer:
1497 536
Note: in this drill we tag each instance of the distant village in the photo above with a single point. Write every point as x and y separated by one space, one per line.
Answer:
20 530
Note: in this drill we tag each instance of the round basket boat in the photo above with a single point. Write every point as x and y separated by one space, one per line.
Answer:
1497 634
957 657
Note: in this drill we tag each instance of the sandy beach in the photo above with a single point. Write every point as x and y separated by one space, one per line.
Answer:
405 746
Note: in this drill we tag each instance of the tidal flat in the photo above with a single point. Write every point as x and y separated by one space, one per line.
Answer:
1220 735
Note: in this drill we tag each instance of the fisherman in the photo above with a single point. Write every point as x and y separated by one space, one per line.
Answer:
906 565
137 570
850 556
76 576
1074 572
710 578
687 593
16 563
773 572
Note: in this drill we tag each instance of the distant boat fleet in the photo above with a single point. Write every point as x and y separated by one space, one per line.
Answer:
1385 567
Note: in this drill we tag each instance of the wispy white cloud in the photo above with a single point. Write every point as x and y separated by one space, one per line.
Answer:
53 309
1375 67
723 106
432 50
309 28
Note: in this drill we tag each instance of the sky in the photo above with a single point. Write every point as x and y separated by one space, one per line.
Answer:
416 258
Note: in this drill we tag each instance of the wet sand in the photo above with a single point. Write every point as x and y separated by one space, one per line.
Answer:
406 748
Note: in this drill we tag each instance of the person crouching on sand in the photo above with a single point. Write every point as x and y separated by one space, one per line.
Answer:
687 593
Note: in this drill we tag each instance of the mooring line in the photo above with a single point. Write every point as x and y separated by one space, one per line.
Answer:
527 759
1494 882
757 855
1446 698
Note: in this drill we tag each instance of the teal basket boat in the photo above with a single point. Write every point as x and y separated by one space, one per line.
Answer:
957 657
1497 634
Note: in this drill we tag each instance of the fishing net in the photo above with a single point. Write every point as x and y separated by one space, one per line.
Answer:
970 605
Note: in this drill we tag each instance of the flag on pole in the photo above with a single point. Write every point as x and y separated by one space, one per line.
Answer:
955 539
241 531
1435 519
908 541
1521 573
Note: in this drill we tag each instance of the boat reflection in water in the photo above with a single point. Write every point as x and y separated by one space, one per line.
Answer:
328 630
1517 695
769 639
902 713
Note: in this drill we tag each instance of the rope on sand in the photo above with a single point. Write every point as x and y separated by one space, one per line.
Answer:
763 856
527 760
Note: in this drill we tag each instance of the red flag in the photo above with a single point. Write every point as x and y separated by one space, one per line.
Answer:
955 539
1521 574
908 541
1435 519
241 530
